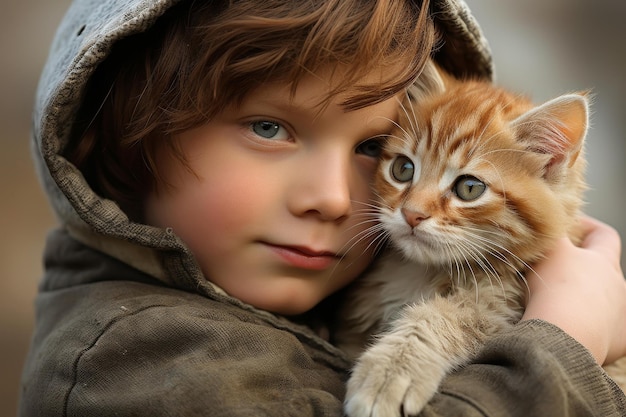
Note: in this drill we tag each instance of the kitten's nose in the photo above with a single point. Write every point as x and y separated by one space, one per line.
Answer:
413 218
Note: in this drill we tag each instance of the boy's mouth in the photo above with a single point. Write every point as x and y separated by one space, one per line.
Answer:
304 257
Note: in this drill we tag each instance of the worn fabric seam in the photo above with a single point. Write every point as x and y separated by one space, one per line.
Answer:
93 344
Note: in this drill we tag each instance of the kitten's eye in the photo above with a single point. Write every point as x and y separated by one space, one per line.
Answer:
371 147
269 130
468 188
402 169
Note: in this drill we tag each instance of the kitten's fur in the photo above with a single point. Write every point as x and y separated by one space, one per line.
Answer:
453 275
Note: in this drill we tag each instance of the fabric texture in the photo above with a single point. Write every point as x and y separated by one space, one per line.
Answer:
127 325
113 341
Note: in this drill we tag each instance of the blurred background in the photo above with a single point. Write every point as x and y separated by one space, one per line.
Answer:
541 48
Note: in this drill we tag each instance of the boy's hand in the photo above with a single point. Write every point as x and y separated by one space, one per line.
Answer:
582 290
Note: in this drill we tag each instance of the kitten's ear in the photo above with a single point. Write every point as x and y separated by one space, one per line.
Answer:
556 128
430 82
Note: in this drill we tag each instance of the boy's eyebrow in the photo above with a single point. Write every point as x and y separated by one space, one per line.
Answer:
280 105
373 126
286 106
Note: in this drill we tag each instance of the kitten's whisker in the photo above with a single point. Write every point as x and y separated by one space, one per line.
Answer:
379 240
457 255
480 259
412 120
464 254
375 206
373 222
451 262
520 151
493 247
377 231
477 253
496 248
406 139
372 202
461 271
364 234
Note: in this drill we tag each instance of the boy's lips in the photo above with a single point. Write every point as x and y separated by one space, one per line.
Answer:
304 257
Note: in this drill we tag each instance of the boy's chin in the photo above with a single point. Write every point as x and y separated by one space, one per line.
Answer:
289 300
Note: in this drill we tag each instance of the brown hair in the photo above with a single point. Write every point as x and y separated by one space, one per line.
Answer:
203 56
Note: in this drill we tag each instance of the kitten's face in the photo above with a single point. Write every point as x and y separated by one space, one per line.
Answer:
464 181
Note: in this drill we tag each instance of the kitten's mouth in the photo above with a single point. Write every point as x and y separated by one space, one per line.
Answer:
420 237
423 245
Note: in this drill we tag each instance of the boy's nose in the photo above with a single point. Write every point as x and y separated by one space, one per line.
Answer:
322 189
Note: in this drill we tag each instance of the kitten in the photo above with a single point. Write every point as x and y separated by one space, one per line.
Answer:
474 186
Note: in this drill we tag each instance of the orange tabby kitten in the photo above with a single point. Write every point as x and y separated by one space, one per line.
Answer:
475 185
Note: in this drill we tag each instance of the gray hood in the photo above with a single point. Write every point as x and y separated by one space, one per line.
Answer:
84 39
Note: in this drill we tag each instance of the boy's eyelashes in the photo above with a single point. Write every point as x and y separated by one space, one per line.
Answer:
372 147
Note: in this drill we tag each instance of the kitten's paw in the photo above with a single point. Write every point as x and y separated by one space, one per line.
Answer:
388 382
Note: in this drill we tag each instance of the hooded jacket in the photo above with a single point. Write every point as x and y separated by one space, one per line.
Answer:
127 325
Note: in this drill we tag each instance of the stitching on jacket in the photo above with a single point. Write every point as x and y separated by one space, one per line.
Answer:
94 343
466 400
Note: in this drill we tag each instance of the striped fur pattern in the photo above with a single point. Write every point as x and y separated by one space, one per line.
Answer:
474 186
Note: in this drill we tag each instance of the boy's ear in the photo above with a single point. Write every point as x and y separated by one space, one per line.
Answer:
556 129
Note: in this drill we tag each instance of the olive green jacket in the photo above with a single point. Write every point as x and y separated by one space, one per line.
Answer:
127 325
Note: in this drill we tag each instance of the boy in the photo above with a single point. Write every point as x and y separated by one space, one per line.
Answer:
210 165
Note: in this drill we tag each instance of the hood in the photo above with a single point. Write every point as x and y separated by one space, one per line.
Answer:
82 42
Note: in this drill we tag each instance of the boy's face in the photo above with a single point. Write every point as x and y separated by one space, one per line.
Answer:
277 200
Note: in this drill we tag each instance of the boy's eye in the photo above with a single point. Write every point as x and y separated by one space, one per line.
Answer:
371 147
269 130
